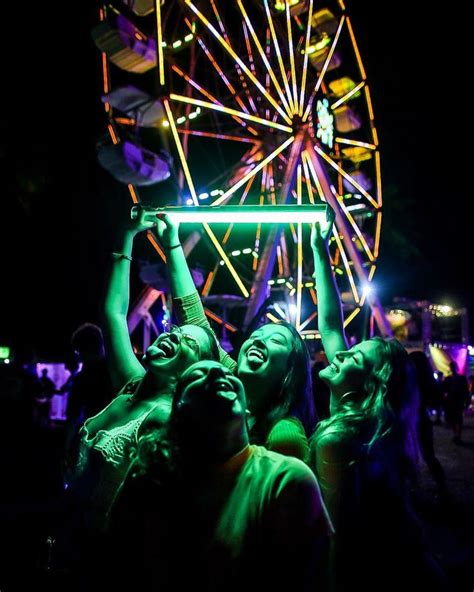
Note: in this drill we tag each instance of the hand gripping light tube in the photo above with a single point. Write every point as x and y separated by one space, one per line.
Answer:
269 214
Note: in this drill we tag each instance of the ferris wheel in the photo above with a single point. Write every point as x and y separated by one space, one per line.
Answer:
256 102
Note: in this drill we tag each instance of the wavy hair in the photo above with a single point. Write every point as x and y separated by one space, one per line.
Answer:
386 412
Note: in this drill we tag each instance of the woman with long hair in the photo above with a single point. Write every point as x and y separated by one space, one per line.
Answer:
273 363
365 453
107 440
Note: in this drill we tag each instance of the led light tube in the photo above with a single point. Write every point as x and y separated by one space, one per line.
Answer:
269 214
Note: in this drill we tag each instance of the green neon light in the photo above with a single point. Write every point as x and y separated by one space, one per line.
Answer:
270 214
4 352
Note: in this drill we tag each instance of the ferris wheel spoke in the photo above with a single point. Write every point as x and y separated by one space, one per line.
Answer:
208 95
350 142
347 96
378 226
231 112
249 48
307 178
221 74
352 316
279 56
305 156
215 136
349 178
345 261
268 66
305 59
321 75
292 58
194 198
159 43
354 225
356 49
236 65
232 53
253 172
307 321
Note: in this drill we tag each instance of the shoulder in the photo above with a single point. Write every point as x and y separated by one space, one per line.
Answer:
281 467
333 447
293 490
288 437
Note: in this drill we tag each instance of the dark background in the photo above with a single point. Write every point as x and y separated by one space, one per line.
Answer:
59 208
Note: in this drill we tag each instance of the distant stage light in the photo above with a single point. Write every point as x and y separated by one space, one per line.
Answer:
367 290
269 214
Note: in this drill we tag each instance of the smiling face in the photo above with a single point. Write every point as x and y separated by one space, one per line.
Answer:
209 393
350 369
177 349
264 357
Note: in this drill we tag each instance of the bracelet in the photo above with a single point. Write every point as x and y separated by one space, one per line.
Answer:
120 256
173 247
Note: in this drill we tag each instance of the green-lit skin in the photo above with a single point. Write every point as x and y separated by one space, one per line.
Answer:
263 363
211 405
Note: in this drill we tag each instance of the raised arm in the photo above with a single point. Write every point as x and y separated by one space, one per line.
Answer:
121 359
330 319
180 278
186 301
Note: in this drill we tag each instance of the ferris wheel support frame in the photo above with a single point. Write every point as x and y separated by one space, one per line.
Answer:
372 299
267 260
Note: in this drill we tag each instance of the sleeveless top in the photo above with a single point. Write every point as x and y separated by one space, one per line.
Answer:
103 463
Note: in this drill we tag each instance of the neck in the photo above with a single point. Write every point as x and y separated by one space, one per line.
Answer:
255 384
220 444
338 399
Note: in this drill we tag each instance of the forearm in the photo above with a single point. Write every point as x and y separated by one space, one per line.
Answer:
330 318
180 278
122 362
117 295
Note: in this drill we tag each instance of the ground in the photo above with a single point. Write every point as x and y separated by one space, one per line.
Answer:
449 522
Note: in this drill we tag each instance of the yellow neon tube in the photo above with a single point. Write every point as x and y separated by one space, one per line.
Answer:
159 33
305 59
323 71
253 172
229 49
346 175
192 190
347 96
218 107
278 53
281 94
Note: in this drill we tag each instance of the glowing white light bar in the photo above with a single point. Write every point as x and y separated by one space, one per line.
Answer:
270 214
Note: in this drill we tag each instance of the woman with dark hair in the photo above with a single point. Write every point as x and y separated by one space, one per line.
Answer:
106 440
146 389
205 509
365 453
273 363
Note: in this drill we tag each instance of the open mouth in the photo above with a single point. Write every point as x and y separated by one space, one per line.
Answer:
163 349
223 389
255 357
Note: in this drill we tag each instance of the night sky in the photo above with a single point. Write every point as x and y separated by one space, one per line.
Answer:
59 208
